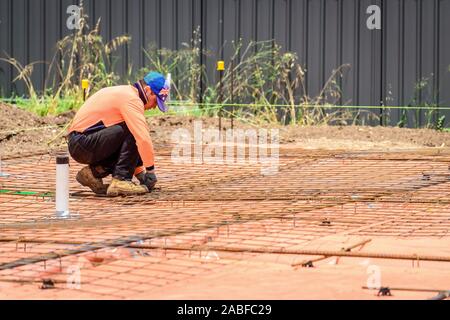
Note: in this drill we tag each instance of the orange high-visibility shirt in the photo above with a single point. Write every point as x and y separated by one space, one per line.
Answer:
114 105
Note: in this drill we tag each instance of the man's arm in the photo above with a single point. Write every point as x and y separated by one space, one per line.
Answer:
133 114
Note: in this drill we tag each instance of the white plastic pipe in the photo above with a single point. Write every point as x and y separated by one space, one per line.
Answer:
2 174
62 185
169 83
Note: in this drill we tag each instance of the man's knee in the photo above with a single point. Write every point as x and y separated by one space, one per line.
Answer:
77 151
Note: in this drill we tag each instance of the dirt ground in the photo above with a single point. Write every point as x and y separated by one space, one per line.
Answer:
22 132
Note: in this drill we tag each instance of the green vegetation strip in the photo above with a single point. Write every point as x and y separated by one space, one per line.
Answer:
26 193
247 105
200 108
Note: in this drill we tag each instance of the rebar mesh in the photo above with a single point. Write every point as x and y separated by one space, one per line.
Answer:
204 217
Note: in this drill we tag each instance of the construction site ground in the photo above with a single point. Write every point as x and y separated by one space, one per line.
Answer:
349 208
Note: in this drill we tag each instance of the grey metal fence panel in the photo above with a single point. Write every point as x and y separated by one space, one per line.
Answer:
369 59
5 45
230 35
350 52
35 50
136 24
407 62
392 51
211 35
19 47
443 68
52 33
119 27
411 44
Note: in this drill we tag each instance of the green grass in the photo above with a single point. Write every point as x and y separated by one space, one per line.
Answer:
176 108
40 105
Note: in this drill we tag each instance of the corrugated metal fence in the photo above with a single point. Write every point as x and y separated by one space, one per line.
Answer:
387 65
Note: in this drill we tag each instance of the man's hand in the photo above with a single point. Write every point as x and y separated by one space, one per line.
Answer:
148 178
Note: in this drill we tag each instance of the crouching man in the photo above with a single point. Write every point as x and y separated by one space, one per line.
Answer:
110 134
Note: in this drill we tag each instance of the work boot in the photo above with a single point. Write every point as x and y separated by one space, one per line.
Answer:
125 188
86 178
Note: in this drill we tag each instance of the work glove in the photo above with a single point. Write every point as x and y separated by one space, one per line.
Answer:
147 178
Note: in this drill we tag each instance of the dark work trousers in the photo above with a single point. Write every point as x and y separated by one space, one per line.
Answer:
113 148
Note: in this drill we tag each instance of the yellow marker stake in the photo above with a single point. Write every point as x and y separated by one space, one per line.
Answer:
85 83
220 68
220 65
84 86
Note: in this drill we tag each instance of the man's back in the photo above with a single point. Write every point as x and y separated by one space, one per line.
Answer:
105 105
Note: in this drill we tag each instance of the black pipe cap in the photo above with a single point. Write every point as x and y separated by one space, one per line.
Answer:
62 159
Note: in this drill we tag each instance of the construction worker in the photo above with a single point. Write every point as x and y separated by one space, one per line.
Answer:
110 134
